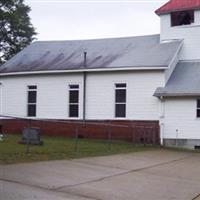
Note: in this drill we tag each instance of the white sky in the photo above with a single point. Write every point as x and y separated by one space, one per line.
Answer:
80 19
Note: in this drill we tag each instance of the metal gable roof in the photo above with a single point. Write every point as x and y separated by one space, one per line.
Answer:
184 81
177 5
142 51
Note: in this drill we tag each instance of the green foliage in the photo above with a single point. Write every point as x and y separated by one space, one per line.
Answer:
16 30
57 148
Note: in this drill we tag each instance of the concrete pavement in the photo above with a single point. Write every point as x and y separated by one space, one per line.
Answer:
149 175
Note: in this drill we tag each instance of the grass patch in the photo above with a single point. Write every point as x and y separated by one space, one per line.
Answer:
58 148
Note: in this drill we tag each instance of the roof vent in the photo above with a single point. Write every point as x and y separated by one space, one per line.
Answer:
85 60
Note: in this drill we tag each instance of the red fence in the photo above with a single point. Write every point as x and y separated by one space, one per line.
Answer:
146 132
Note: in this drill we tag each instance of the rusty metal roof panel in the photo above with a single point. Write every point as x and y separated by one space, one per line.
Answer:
141 51
178 5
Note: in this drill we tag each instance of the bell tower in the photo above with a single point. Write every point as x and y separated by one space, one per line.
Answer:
180 19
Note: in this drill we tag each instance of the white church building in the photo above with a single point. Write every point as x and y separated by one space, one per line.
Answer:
153 78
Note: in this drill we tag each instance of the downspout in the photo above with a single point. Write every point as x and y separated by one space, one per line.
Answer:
84 87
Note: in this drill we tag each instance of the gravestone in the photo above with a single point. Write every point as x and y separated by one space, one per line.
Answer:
1 134
31 136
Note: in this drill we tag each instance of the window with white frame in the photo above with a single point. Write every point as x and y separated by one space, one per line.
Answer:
73 100
198 108
32 101
120 100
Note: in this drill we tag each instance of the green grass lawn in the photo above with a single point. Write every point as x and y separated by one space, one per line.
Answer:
58 148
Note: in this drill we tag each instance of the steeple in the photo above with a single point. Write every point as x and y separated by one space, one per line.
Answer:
180 19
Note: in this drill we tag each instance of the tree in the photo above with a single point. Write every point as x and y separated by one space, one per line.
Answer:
16 30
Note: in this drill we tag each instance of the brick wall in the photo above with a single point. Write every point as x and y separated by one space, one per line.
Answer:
137 131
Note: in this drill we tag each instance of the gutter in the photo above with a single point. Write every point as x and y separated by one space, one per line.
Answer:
162 95
85 70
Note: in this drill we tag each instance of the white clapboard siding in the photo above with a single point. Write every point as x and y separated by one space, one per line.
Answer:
1 95
180 115
52 95
141 105
190 34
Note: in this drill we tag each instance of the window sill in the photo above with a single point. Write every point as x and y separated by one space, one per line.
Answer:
186 26
120 118
74 118
35 117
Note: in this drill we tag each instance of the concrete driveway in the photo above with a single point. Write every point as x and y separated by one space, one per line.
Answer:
150 175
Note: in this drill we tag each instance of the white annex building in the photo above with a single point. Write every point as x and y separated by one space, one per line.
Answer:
144 78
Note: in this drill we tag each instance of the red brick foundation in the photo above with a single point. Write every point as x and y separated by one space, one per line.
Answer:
137 131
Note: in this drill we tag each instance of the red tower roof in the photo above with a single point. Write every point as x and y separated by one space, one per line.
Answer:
177 5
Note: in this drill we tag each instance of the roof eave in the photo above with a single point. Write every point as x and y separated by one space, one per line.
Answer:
175 10
85 70
159 95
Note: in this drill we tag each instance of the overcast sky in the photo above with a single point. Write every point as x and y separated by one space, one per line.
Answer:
80 19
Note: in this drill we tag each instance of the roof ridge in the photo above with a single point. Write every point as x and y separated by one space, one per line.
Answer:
97 39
